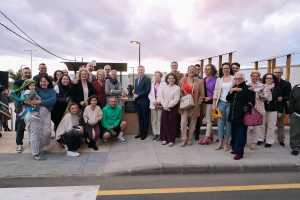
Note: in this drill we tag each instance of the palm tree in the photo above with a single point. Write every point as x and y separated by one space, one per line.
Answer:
14 75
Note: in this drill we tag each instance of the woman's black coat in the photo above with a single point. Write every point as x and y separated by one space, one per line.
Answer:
76 94
240 103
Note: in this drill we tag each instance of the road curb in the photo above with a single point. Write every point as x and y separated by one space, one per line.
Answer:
169 170
213 169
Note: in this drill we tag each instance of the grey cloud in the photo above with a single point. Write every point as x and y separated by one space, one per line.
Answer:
104 28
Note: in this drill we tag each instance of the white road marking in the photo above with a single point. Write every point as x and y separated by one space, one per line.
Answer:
50 193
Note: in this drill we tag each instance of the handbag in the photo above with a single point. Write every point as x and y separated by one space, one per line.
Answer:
253 118
186 102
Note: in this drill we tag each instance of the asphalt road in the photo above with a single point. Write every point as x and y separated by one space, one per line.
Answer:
274 186
265 195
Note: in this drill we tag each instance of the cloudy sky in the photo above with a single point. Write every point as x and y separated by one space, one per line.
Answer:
168 30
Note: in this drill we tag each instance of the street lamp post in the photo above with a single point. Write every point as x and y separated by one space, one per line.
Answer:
139 45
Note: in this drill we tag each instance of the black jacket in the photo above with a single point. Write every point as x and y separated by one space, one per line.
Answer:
37 77
240 103
295 100
76 93
285 89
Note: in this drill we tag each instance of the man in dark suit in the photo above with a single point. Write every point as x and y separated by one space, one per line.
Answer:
142 88
285 90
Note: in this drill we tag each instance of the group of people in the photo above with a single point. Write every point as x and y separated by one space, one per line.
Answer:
86 108
82 109
226 92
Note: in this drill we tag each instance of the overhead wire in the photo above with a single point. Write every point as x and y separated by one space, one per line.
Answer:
28 39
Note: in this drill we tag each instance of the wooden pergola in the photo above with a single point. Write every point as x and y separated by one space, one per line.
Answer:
209 59
75 66
271 64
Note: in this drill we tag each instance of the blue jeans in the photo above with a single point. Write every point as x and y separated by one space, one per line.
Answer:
224 126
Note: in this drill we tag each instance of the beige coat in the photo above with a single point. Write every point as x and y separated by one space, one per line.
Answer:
198 96
218 90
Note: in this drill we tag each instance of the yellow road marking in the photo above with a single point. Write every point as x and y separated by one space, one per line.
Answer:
197 189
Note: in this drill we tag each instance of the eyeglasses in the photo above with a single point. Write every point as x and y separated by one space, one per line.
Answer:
269 78
238 78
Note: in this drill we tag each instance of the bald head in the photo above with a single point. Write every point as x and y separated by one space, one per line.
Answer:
278 72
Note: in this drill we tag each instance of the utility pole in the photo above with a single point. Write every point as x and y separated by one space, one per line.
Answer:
30 51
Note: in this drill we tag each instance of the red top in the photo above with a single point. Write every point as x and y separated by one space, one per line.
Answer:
99 87
186 87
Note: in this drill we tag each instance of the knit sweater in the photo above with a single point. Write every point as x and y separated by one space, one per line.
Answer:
111 116
91 116
170 96
110 85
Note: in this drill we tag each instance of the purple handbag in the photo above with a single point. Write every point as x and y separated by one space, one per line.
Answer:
253 118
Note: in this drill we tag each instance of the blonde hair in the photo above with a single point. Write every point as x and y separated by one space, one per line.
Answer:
78 77
100 71
255 72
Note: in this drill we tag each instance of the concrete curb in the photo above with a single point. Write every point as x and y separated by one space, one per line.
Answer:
188 169
209 169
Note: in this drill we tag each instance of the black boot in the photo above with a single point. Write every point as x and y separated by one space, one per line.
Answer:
93 145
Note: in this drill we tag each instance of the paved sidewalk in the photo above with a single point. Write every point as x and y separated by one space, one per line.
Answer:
140 157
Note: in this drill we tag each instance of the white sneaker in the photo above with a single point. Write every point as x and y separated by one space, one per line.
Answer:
171 144
122 139
73 154
19 148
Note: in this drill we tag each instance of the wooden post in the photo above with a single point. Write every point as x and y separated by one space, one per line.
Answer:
209 60
202 63
273 64
230 57
201 67
288 67
220 61
269 66
220 64
256 65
